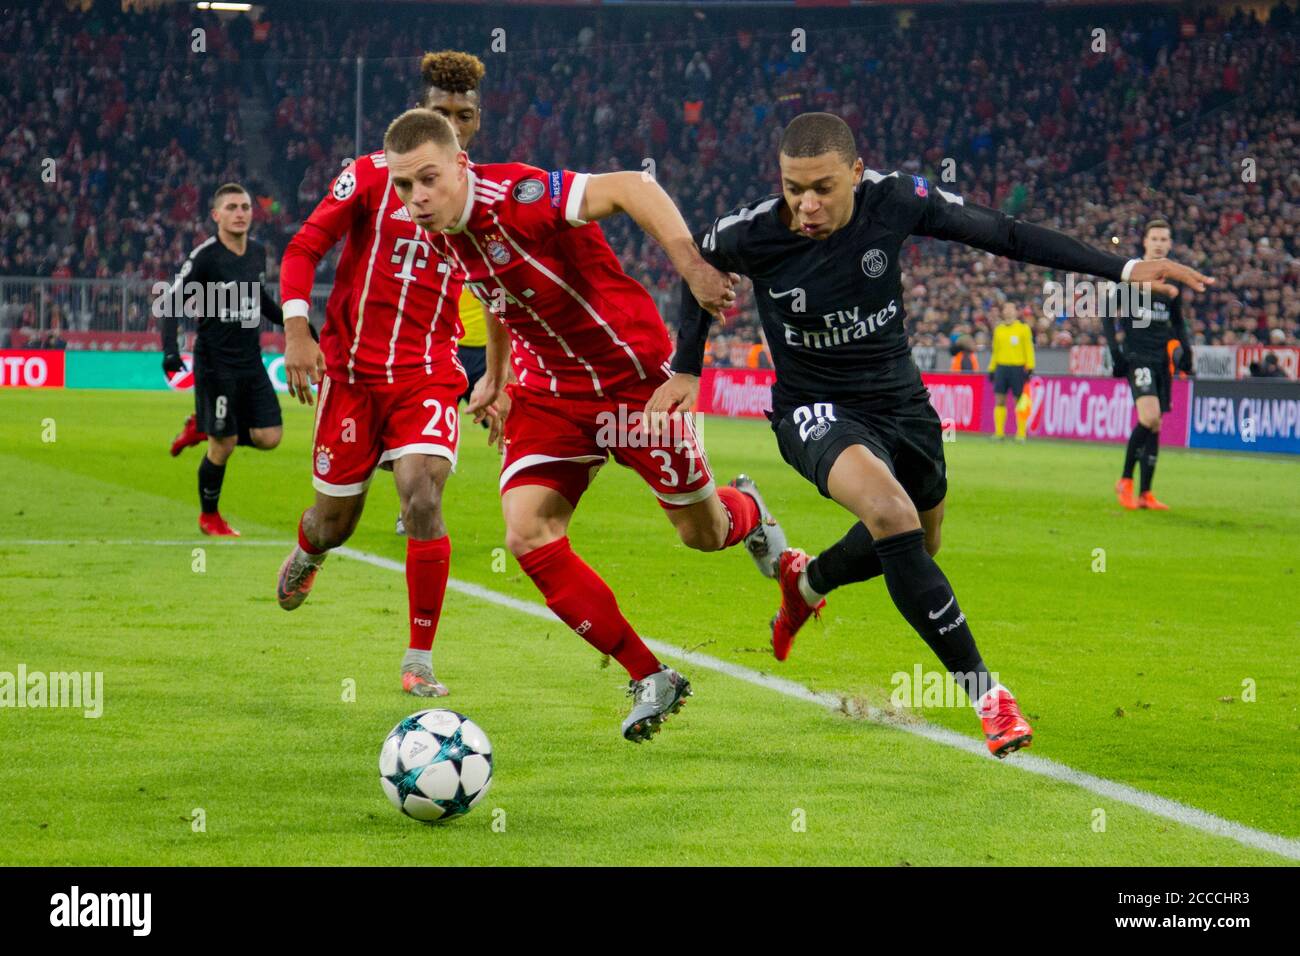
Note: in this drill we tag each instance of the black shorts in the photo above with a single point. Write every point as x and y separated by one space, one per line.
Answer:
1151 378
474 360
1009 378
228 401
908 438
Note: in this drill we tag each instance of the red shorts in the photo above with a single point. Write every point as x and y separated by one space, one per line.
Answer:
562 442
359 427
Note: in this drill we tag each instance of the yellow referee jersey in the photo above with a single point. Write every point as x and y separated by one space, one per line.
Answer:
472 318
1013 344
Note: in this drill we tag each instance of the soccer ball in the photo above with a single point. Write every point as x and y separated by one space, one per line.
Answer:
435 765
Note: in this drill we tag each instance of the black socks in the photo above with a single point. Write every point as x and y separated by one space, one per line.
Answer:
852 558
1137 443
924 597
1148 460
210 477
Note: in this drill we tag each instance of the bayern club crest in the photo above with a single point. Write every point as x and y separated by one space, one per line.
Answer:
323 459
874 263
498 253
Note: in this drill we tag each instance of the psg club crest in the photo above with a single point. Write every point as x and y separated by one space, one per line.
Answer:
874 263
922 187
530 190
345 185
498 253
323 458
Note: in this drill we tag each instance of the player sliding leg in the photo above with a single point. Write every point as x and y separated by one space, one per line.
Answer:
902 548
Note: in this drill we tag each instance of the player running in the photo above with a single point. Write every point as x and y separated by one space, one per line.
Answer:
1143 358
389 393
451 88
222 283
849 409
588 349
1009 369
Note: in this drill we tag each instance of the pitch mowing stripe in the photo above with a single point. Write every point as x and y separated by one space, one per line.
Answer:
1043 767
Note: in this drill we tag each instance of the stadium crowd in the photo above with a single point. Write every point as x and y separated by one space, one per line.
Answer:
1192 119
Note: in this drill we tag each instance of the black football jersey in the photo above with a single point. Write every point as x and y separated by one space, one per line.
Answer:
226 295
832 309
1148 324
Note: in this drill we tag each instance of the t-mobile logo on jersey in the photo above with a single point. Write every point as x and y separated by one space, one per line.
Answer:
410 253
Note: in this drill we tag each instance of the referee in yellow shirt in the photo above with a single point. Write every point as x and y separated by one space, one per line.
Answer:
1010 368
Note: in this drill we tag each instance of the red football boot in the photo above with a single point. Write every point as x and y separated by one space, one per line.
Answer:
190 435
794 609
1148 500
1005 728
214 524
1124 491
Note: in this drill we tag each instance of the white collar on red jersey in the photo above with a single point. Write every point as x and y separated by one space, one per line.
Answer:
472 182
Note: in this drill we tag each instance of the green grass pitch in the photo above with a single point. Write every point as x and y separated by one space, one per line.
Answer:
1173 671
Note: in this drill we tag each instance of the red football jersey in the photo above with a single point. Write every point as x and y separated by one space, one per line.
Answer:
580 326
393 313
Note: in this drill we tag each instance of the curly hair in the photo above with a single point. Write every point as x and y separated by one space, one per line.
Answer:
452 70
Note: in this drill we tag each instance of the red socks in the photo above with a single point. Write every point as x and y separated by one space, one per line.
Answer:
427 563
578 597
741 510
304 543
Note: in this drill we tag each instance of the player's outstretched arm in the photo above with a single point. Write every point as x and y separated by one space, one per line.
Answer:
645 201
996 232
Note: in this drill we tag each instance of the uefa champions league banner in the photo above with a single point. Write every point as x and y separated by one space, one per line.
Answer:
1260 415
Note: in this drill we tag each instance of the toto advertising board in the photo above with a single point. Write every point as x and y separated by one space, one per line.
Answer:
31 368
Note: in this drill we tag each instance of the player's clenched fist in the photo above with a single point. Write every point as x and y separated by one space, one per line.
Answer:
303 363
713 290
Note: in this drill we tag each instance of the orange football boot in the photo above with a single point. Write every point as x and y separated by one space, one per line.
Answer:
794 611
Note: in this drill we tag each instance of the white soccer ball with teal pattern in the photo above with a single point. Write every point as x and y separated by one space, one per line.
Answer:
435 765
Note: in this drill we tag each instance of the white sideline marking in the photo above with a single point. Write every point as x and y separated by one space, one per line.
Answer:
1121 793
1042 766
